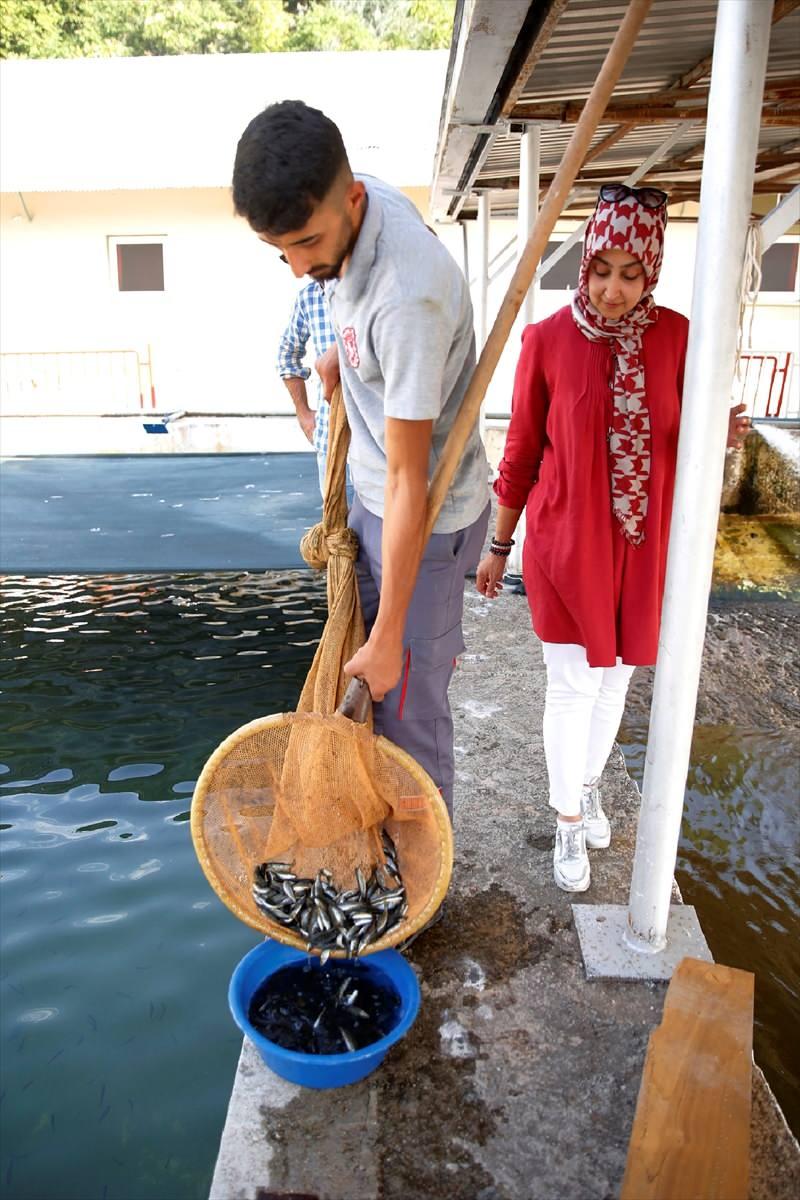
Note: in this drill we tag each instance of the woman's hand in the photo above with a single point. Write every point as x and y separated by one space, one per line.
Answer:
738 427
489 576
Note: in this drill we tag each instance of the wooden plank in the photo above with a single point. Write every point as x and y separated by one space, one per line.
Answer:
691 1132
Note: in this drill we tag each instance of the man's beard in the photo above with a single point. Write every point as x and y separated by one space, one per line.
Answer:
322 272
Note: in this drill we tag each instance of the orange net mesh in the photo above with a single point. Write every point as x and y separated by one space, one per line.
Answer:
314 788
238 801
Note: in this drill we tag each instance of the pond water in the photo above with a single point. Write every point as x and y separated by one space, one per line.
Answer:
118 1051
739 852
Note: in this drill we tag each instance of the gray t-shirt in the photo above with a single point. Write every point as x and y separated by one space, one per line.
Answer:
403 321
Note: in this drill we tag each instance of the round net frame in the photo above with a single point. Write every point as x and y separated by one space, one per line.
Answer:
237 804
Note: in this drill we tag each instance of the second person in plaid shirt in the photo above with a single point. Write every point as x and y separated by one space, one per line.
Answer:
310 321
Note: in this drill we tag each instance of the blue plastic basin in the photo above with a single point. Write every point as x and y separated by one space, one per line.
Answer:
319 1070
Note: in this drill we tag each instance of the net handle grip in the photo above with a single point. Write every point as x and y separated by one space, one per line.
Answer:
356 701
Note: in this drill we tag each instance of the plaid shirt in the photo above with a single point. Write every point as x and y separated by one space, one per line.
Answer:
310 319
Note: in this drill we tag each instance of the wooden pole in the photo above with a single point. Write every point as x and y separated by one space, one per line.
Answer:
549 213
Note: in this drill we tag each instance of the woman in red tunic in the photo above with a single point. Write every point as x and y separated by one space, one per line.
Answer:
590 454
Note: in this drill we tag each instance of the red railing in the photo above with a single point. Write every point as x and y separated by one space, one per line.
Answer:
75 383
763 382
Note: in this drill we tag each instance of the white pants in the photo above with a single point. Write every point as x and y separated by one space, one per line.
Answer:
582 711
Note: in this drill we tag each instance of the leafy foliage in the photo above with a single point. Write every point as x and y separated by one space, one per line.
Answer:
118 28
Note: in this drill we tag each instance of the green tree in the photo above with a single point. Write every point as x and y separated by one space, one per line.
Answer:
29 29
208 26
325 26
264 24
84 28
64 28
405 24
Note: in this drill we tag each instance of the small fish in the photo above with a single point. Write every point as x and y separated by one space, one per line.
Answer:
347 1039
326 917
345 985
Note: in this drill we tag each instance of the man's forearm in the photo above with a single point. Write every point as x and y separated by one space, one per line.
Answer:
380 659
296 388
306 417
402 548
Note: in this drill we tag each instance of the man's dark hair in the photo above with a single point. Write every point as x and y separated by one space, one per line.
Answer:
287 160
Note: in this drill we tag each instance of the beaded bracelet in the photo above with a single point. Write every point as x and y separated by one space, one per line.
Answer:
498 551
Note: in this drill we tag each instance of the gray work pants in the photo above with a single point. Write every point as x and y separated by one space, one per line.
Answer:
415 714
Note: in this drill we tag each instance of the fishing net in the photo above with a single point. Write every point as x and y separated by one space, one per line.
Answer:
315 791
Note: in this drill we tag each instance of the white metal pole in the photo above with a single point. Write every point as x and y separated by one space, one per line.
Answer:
528 207
741 43
482 269
483 286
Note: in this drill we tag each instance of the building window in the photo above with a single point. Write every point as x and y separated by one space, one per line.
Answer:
137 263
779 269
564 275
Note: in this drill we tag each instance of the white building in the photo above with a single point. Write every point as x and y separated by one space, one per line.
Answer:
128 284
115 174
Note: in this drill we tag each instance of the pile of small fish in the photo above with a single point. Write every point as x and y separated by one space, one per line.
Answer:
345 1007
328 919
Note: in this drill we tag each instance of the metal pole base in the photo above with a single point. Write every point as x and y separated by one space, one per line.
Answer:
608 954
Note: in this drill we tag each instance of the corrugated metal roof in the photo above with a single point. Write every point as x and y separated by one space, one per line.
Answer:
676 37
173 122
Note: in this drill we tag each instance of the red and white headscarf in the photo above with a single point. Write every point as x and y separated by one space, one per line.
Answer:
625 225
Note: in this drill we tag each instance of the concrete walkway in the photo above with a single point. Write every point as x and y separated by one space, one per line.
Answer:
519 1079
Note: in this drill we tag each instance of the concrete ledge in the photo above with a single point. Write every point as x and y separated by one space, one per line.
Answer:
194 433
764 476
520 1077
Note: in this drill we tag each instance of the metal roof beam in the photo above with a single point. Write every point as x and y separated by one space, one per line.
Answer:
684 82
782 217
491 38
655 114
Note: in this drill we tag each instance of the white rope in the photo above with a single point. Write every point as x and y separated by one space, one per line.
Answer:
750 287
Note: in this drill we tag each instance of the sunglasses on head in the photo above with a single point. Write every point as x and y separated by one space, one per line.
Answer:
648 197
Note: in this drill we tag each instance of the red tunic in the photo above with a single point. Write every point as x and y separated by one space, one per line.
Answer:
586 583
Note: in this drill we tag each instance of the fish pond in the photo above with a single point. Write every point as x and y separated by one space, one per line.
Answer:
118 1051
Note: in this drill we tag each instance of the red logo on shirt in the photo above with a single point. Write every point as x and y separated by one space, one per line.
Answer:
351 348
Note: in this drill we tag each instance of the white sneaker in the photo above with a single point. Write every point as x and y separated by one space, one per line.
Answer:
570 860
595 821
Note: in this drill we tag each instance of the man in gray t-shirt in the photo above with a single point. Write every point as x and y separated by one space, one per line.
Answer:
404 331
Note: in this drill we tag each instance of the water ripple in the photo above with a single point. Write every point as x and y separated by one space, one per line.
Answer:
116 693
